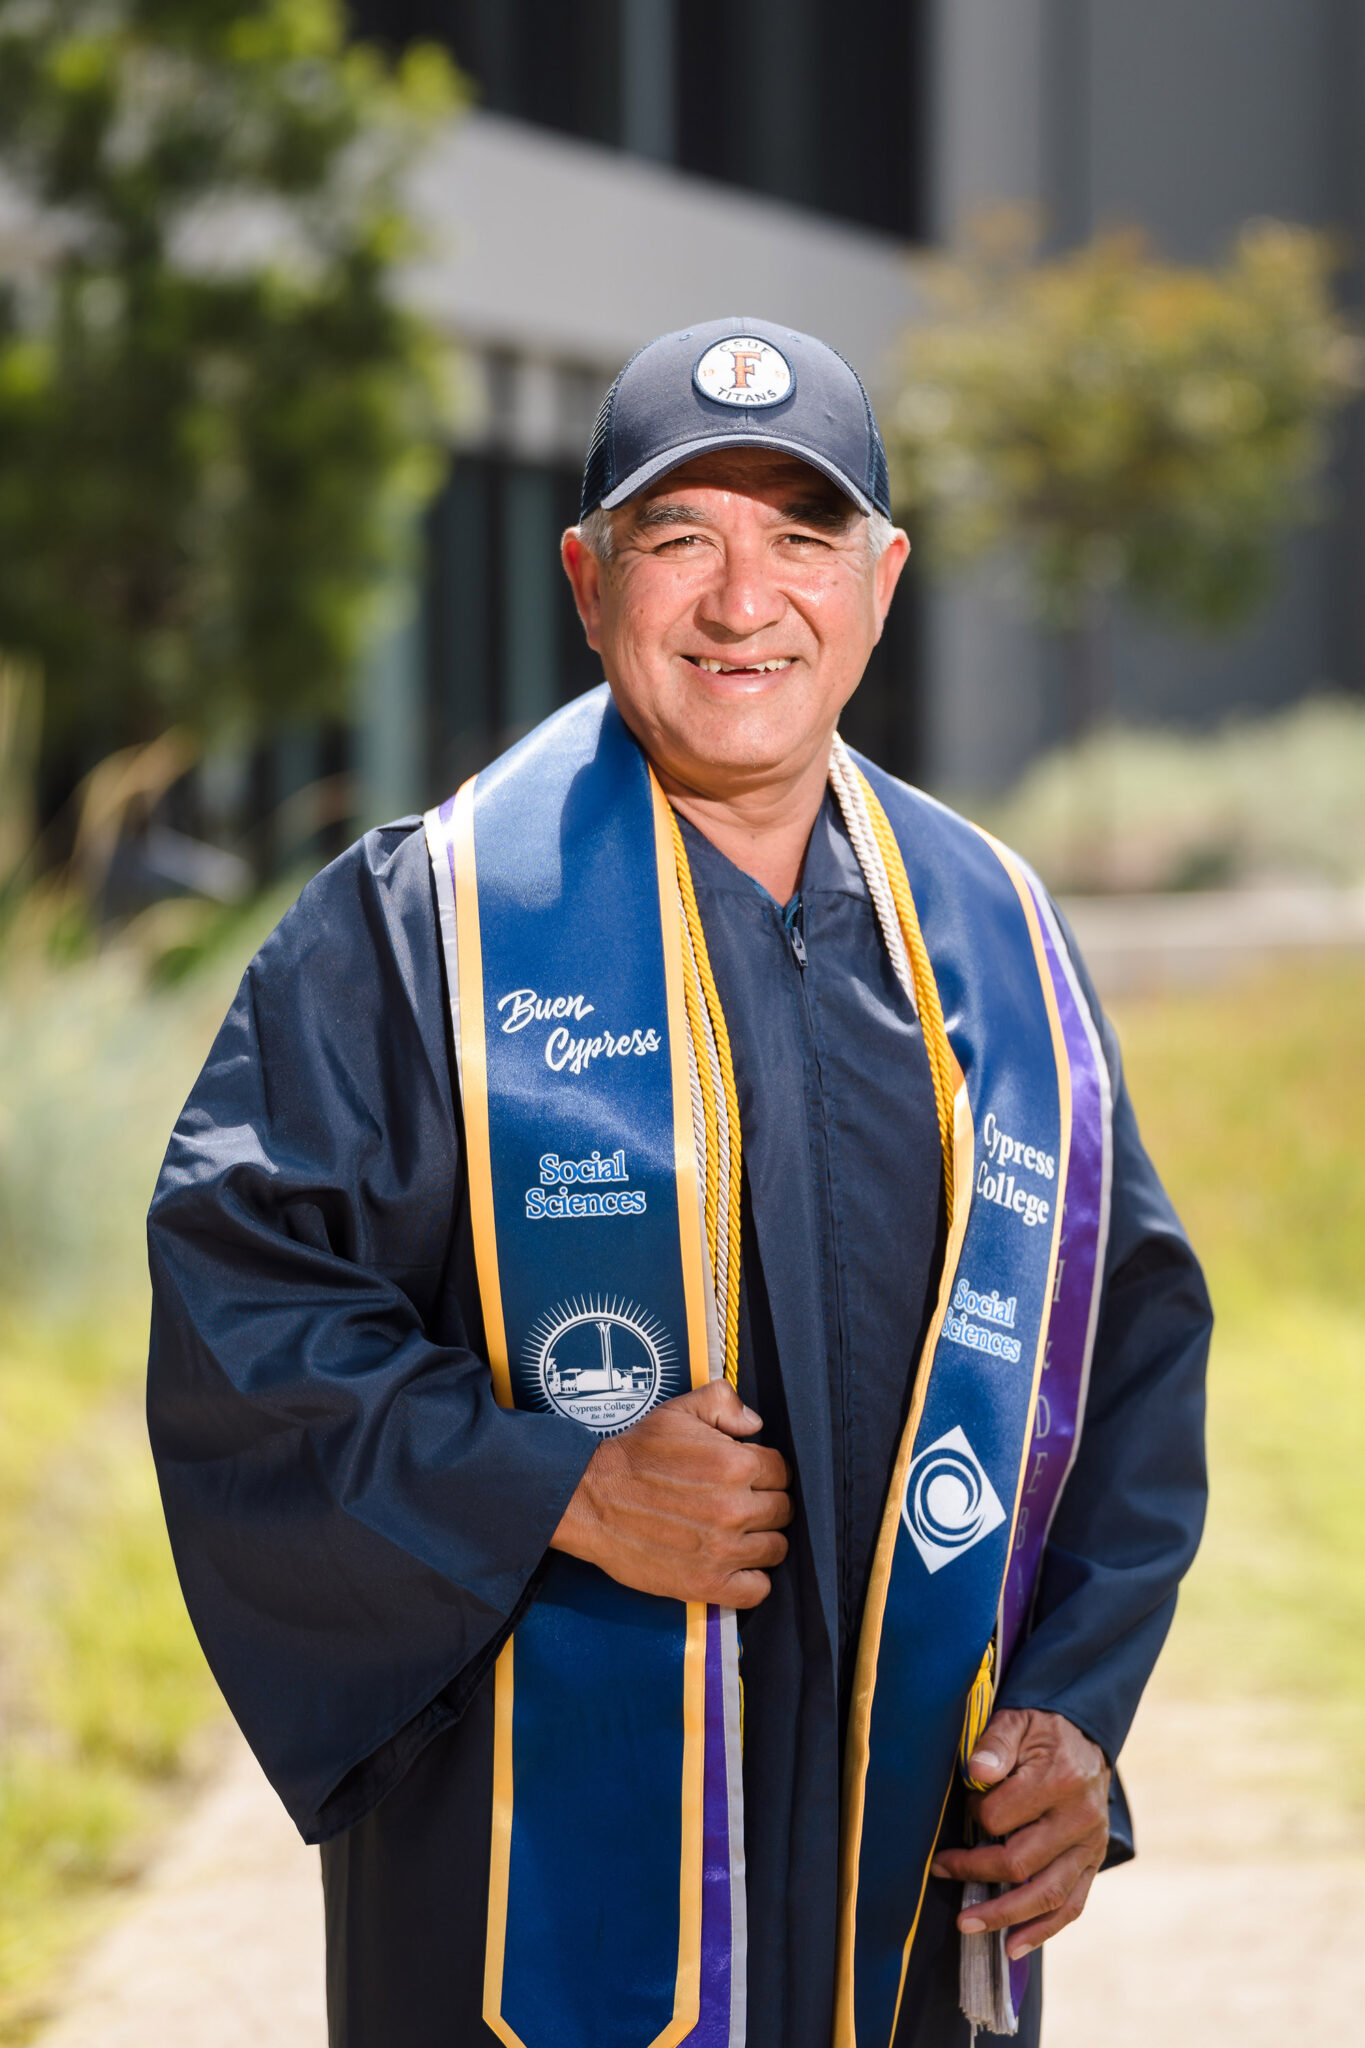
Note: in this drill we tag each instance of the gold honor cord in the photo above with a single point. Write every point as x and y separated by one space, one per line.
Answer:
713 1063
711 1040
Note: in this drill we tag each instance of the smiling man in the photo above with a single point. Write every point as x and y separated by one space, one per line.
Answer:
677 1391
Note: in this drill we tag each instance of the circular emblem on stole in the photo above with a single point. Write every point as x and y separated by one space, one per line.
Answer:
950 1504
600 1361
742 370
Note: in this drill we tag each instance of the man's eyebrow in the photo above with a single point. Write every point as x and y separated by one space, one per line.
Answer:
670 515
830 514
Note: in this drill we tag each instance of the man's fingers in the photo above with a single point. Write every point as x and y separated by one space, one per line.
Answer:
1052 1765
1013 1861
1045 1779
718 1404
1033 1933
684 1502
1043 1895
997 1752
768 1510
770 1470
745 1589
1022 1855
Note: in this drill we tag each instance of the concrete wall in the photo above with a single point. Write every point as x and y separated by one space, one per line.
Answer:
1201 117
558 248
987 669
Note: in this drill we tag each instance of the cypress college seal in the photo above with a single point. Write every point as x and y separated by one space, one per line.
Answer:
601 1361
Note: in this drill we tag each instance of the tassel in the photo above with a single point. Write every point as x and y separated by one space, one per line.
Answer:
983 1966
983 1981
980 1701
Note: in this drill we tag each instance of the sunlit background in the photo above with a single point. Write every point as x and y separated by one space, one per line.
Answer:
305 313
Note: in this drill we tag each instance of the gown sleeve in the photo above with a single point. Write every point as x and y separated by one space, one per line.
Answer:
355 1522
1132 1511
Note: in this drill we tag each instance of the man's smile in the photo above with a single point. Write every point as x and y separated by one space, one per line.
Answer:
712 667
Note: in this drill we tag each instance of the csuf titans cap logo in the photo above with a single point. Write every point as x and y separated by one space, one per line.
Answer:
950 1504
743 370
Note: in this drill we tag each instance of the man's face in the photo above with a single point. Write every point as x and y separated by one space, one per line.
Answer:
736 616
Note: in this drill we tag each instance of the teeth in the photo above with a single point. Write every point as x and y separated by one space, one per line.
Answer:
745 668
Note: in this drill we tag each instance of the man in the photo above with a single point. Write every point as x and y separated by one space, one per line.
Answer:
624 1445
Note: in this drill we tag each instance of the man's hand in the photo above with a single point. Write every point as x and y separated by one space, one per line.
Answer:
1049 1804
681 1505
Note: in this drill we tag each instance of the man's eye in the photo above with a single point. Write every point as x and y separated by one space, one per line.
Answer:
806 540
679 541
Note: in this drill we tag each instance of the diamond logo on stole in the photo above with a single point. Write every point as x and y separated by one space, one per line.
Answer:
950 1504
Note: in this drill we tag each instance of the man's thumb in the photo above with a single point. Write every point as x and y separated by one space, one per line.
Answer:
997 1752
719 1404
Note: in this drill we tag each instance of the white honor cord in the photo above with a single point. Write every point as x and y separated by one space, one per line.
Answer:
847 788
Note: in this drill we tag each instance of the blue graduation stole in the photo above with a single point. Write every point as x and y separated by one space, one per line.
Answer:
616 1879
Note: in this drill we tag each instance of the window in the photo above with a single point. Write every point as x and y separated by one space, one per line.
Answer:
817 105
503 644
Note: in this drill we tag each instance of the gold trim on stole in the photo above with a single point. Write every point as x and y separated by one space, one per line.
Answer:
474 1078
474 1088
479 1166
687 1998
865 1678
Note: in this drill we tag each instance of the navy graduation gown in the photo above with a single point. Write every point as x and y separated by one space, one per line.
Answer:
357 1525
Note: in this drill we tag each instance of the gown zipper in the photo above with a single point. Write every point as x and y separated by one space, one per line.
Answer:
793 920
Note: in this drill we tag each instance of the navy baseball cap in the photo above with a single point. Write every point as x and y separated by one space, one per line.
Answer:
739 383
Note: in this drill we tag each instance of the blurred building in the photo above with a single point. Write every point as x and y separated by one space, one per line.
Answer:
633 165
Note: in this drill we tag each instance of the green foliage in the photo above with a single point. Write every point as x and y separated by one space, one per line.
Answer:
103 1689
1274 799
63 1832
1133 426
1252 1102
104 1684
212 408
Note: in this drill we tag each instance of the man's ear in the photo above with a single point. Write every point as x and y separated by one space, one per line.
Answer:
584 572
887 574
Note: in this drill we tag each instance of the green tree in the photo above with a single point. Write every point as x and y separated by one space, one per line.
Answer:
1133 428
213 408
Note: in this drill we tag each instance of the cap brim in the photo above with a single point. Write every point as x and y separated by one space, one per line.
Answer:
673 458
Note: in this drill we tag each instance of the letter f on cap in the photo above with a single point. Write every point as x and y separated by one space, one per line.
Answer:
744 361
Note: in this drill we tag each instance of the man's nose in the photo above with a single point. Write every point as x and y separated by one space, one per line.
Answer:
742 598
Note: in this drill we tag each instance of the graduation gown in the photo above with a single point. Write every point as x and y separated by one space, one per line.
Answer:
357 1525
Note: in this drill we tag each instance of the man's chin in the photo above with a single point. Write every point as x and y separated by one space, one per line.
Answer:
747 745
708 739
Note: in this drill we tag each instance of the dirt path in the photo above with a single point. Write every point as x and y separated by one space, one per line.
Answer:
1243 1921
223 1946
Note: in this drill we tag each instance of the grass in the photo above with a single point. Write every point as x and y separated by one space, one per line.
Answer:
105 1699
102 1685
1252 1101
